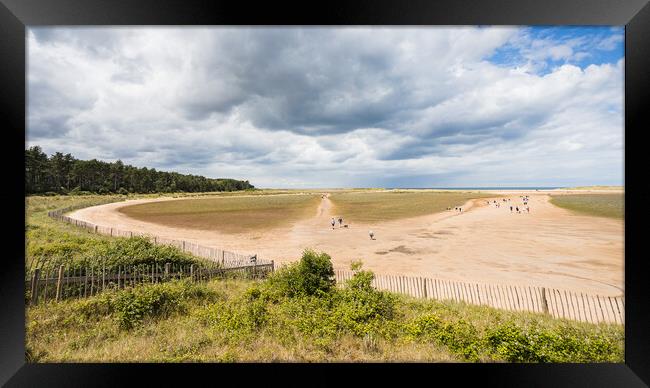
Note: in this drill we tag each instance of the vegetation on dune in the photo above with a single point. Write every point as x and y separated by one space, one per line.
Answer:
227 214
370 207
601 205
63 174
300 314
51 243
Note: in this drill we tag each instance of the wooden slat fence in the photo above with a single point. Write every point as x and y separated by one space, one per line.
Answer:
557 303
225 258
54 284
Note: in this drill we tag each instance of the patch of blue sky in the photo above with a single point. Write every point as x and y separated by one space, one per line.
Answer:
542 48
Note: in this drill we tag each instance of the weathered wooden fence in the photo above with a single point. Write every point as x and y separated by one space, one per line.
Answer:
63 282
558 303
226 258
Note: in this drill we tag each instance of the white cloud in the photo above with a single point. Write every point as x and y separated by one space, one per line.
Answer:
327 106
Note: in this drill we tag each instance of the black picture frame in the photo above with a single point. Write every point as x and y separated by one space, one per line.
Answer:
15 15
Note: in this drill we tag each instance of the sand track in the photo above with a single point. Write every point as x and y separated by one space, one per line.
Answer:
549 247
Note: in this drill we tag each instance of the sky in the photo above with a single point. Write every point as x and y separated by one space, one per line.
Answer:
294 107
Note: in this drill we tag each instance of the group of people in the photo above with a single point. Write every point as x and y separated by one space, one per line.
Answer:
340 220
457 208
514 208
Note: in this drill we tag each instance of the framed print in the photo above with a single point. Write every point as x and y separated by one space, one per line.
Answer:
354 192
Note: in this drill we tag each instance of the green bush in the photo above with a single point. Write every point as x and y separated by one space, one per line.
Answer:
238 318
56 248
565 343
460 336
140 250
359 307
132 306
312 275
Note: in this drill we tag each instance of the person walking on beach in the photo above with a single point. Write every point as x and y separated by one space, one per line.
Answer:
333 223
527 209
517 208
340 221
371 234
510 209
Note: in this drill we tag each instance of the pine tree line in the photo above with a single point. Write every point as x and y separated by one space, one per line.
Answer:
63 174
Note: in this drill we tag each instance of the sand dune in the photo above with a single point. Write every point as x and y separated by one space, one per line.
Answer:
549 246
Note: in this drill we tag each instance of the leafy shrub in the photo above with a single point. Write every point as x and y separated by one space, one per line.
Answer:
566 343
360 308
312 275
140 250
132 306
460 336
237 318
55 248
255 307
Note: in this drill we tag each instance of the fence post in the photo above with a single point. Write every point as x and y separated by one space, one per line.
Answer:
167 265
59 284
34 299
103 274
425 288
95 229
119 275
92 280
272 266
544 301
192 272
223 255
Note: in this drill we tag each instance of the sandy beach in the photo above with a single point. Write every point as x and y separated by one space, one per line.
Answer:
549 246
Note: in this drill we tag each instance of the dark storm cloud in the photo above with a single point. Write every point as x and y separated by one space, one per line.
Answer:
295 80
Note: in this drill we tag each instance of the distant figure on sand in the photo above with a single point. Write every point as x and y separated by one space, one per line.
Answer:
371 234
527 209
340 221
333 223
517 208
510 209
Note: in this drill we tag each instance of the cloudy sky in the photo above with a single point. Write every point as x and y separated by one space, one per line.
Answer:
336 107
